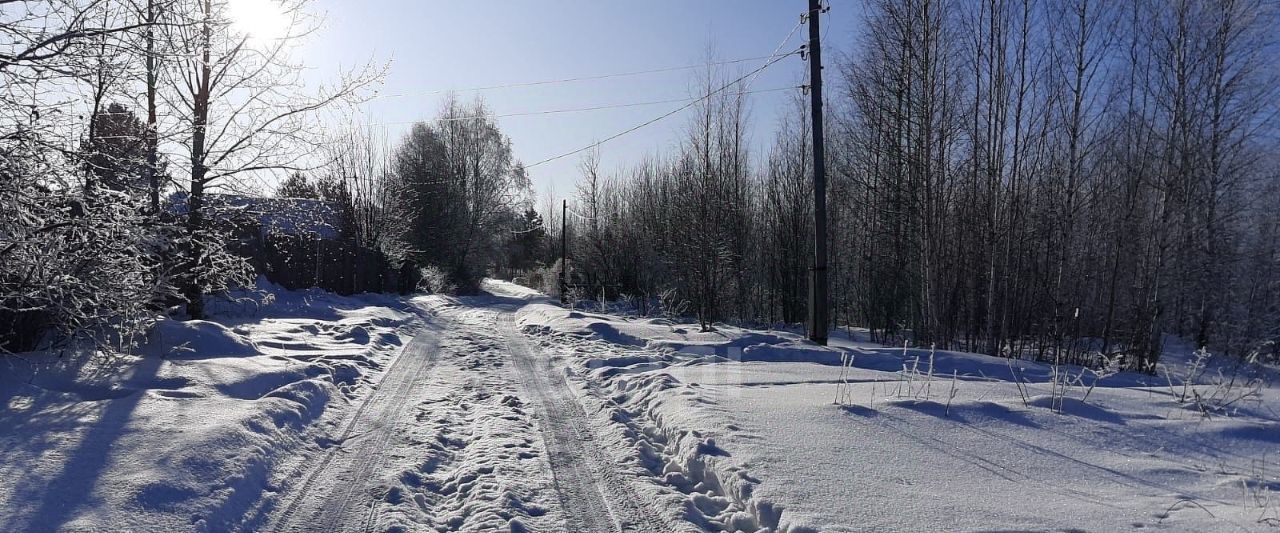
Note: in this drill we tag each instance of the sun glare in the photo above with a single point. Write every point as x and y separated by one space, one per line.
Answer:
262 20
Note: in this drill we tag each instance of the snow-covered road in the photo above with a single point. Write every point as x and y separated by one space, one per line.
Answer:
331 491
587 481
427 447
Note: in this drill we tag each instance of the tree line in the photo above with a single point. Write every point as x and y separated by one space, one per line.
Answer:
1051 179
108 108
119 117
448 197
1014 177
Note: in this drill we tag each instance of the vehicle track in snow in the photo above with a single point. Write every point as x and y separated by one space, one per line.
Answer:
593 493
334 490
330 497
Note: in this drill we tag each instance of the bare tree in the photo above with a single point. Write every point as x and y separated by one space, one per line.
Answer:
246 111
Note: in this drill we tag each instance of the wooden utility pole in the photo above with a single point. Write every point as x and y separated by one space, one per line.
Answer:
818 304
564 252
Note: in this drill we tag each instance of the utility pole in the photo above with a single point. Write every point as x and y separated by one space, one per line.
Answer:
564 252
818 304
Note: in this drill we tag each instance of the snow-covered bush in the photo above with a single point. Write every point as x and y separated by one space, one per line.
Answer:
74 265
1060 386
1063 380
547 279
1259 494
534 279
1110 366
671 305
915 381
1223 392
435 281
844 392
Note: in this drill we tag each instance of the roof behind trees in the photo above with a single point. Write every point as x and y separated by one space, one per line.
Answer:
290 216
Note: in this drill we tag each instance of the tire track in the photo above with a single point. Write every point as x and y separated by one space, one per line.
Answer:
595 497
342 474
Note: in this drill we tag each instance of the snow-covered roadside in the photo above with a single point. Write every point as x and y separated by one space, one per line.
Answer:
192 434
618 366
742 424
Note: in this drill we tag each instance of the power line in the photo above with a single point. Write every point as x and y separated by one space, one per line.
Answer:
772 58
577 79
668 114
517 114
784 42
558 111
579 215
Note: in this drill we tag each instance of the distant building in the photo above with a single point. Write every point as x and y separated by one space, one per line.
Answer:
301 217
297 243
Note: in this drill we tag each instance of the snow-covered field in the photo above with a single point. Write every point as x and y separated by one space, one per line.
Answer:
745 425
506 412
193 434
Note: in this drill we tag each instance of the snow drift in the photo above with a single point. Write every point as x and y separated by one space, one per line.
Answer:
189 435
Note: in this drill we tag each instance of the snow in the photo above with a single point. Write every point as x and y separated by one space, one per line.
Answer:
504 411
744 425
471 458
189 435
907 465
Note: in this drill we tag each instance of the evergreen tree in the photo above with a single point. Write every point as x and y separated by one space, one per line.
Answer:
115 153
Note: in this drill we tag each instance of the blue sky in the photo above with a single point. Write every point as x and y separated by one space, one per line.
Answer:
439 45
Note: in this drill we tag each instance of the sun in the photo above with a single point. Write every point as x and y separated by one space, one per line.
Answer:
262 20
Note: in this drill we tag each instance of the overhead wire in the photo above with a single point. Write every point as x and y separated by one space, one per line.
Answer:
575 213
826 26
689 102
784 42
559 111
577 79
776 58
515 114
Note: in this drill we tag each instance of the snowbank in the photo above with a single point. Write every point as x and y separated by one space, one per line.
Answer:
189 435
744 426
